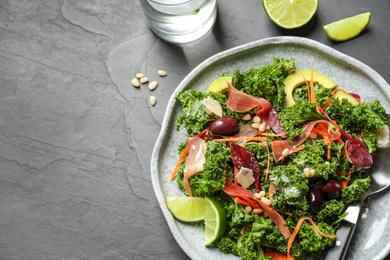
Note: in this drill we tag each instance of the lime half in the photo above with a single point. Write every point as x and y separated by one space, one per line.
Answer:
290 14
187 209
215 221
347 28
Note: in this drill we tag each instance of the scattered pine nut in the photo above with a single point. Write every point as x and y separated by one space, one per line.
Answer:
135 82
257 211
327 162
285 152
255 125
256 119
312 173
248 209
162 73
306 172
153 85
139 75
153 100
266 201
262 193
262 127
246 117
144 80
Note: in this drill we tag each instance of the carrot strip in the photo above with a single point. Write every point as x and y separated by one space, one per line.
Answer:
180 161
275 255
184 155
235 174
344 184
243 138
268 161
307 84
312 94
299 148
327 103
240 201
295 233
274 142
362 132
271 191
329 153
249 201
275 135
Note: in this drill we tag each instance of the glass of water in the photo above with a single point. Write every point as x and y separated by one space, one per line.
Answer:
180 21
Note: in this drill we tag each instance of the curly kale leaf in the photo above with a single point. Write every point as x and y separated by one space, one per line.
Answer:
352 119
212 178
291 187
312 241
292 118
322 93
355 191
331 213
266 81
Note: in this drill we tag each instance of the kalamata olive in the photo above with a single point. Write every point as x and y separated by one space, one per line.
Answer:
315 198
224 126
332 189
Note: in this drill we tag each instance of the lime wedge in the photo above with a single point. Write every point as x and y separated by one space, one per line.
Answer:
290 14
347 28
215 221
187 209
219 84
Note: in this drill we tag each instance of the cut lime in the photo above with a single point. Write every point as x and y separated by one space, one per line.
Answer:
219 84
187 209
347 28
290 14
215 221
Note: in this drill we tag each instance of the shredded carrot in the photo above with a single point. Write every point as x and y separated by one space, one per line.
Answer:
307 84
268 161
243 138
327 103
299 148
275 135
274 142
324 134
275 255
180 161
362 132
248 201
342 90
329 153
344 184
282 212
295 233
312 94
271 191
184 155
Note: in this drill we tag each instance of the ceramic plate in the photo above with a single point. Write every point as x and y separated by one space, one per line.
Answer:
372 236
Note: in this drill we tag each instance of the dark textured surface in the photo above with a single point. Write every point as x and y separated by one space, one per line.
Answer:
76 137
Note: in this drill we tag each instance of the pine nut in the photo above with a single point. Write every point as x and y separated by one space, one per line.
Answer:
248 209
266 201
327 162
139 75
258 211
313 135
257 195
285 152
262 127
306 172
162 73
153 85
153 100
262 193
255 125
256 119
246 117
144 80
312 173
208 111
135 82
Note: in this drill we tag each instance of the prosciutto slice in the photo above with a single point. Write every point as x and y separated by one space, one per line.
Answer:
263 109
239 101
237 191
274 122
195 160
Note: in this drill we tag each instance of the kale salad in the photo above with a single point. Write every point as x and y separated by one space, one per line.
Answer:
284 151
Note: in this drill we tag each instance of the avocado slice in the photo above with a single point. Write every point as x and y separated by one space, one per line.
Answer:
295 79
219 84
341 95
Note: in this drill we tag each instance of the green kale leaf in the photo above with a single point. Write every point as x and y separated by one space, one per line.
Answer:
355 191
331 213
322 93
312 241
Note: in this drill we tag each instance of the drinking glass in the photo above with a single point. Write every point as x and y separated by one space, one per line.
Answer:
180 21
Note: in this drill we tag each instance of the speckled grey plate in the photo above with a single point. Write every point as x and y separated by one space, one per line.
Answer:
372 236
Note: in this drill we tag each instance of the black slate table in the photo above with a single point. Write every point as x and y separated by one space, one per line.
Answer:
76 137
